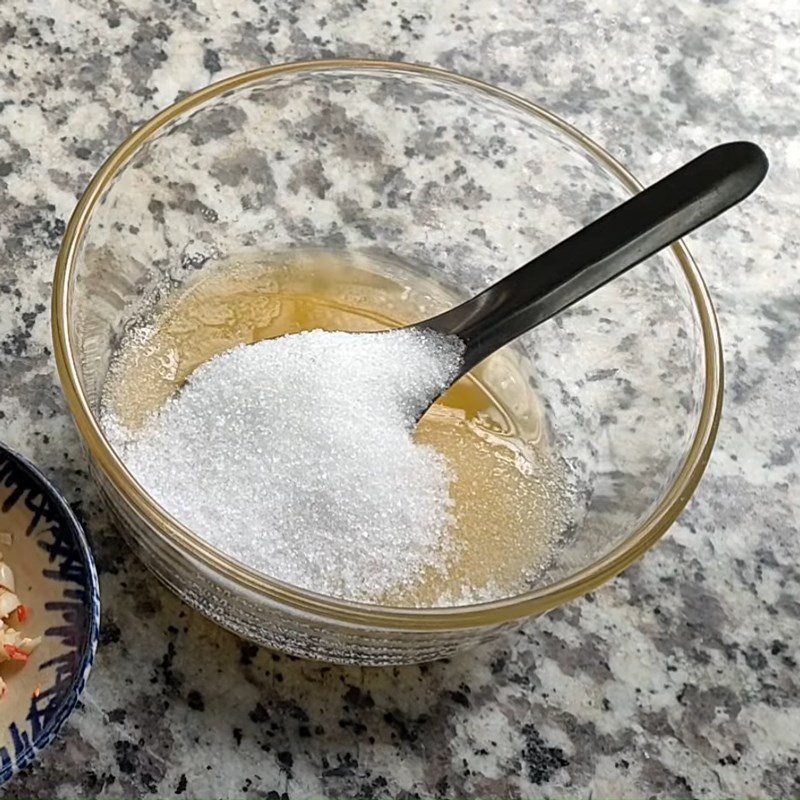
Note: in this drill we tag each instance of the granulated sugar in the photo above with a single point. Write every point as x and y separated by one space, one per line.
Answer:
296 455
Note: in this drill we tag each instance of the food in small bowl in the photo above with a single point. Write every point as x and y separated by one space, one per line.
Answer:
435 186
49 602
14 645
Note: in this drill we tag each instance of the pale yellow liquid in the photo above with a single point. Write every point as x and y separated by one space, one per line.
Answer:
512 497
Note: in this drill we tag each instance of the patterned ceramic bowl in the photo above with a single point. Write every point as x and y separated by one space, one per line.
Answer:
433 169
57 583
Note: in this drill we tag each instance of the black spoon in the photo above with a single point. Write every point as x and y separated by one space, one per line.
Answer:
625 236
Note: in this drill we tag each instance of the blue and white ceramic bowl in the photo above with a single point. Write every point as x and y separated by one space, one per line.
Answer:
57 582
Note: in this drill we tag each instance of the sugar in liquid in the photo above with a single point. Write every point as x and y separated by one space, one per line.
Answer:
512 496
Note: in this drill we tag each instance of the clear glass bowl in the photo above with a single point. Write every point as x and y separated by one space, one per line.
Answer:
435 169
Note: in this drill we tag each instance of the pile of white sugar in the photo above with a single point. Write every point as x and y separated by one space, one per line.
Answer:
297 456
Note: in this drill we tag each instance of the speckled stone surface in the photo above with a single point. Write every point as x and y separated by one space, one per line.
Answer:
680 678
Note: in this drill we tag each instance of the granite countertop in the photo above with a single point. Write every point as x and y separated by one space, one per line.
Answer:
679 678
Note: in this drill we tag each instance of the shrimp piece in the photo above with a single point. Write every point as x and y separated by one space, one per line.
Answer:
13 645
8 598
9 602
6 576
13 642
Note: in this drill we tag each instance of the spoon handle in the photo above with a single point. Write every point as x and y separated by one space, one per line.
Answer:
617 241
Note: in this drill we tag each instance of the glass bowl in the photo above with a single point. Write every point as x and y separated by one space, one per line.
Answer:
435 169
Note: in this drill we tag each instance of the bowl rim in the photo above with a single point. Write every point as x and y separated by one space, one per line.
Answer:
35 745
496 612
